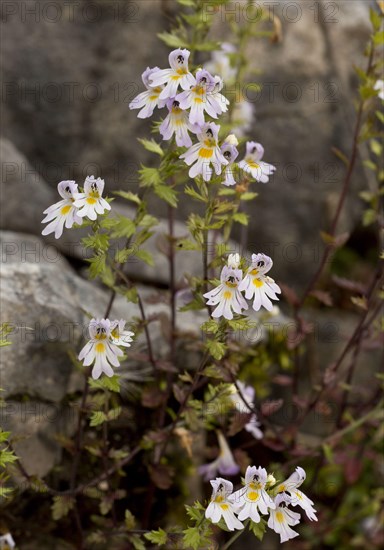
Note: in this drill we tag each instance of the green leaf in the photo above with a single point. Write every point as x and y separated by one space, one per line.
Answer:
97 418
123 228
171 40
167 194
61 506
137 543
375 19
152 146
258 529
189 3
224 191
192 538
108 383
145 256
210 326
194 194
216 349
149 176
248 196
240 217
157 537
129 196
376 147
379 38
97 265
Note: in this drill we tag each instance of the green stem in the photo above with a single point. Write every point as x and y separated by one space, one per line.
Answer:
234 537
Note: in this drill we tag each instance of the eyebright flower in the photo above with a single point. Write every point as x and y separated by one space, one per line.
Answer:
224 464
230 153
177 75
90 203
148 100
248 393
218 101
233 260
62 212
7 542
198 98
227 296
204 153
282 518
177 122
119 336
257 285
253 164
222 504
100 349
379 87
298 498
253 497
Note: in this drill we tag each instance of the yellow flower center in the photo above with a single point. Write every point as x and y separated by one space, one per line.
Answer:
254 272
227 295
210 142
100 348
91 200
280 517
65 209
252 495
205 153
258 283
252 164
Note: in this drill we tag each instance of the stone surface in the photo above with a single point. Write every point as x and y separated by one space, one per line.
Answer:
77 120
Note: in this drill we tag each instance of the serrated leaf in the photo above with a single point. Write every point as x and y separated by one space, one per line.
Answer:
210 326
97 418
166 193
157 537
216 349
149 176
152 146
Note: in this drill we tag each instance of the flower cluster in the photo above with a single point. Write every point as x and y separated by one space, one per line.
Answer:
227 296
187 111
103 348
75 206
261 495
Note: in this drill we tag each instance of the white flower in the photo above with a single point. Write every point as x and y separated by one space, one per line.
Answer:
227 296
199 99
257 285
177 75
221 63
224 464
222 504
282 518
177 123
6 541
100 349
248 394
253 164
90 203
379 87
119 336
232 140
62 212
218 101
205 153
148 100
230 153
253 497
298 498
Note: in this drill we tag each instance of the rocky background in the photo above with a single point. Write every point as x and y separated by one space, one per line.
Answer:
69 72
